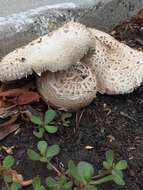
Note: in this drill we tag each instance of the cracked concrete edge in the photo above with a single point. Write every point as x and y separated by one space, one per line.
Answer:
20 28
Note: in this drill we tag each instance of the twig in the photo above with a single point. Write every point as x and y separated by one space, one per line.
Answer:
101 175
127 116
54 168
78 118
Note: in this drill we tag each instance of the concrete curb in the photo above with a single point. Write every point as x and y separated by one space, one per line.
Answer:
21 27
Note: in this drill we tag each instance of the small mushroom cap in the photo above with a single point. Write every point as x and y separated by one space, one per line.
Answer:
118 68
54 52
68 90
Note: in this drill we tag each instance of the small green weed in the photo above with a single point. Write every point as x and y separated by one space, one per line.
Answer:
50 122
80 176
6 174
77 177
45 153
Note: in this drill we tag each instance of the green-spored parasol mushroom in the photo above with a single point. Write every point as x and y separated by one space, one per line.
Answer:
91 61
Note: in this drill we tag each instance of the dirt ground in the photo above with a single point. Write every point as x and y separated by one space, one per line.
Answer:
109 122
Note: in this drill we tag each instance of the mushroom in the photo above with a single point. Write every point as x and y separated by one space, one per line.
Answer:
118 68
75 63
54 52
68 90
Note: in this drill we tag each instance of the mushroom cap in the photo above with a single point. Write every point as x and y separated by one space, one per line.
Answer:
110 67
54 52
118 68
68 90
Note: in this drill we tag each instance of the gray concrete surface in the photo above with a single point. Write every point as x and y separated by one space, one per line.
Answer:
8 7
22 21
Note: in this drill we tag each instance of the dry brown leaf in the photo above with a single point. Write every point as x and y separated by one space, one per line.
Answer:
18 178
7 130
8 111
28 97
12 92
19 96
10 121
8 127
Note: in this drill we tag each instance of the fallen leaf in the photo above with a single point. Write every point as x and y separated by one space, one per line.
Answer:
20 96
7 130
12 92
10 121
18 178
28 97
7 111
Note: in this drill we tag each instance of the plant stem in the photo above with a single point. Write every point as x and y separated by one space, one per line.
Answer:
104 174
54 168
102 180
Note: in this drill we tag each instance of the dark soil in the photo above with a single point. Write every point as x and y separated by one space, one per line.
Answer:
110 122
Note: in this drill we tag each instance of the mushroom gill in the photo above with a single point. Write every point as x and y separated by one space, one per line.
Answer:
69 90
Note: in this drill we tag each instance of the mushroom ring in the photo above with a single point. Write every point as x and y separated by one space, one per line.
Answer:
73 63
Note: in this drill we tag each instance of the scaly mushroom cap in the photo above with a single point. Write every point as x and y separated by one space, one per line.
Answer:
54 52
118 68
111 67
69 90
